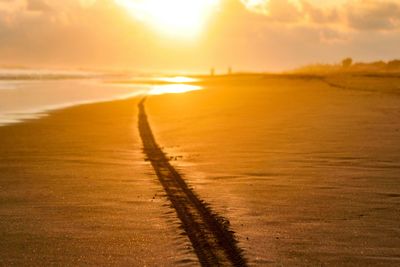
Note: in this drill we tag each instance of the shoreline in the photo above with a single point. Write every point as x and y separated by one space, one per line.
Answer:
18 117
76 182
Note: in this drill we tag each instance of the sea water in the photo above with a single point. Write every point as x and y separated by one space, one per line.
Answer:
31 94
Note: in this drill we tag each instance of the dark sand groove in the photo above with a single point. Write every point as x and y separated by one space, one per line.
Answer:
213 242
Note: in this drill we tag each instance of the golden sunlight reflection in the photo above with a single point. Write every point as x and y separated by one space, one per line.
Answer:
172 89
184 18
178 79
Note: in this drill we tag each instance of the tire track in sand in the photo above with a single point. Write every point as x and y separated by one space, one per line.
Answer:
211 238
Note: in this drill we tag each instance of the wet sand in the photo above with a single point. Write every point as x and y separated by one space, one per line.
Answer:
75 190
211 237
306 173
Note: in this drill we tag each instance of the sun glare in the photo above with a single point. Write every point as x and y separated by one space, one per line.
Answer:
177 79
173 89
183 18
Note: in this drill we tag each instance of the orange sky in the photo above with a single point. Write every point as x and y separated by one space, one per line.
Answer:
258 35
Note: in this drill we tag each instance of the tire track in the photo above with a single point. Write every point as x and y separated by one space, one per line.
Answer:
211 238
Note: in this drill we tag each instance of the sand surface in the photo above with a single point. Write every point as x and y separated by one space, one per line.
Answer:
209 233
308 174
75 190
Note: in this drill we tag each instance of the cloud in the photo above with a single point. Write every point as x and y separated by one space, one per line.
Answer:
273 34
319 15
331 36
373 15
361 15
276 10
38 5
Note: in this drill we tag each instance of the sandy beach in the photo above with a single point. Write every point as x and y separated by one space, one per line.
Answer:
304 177
307 173
200 133
75 190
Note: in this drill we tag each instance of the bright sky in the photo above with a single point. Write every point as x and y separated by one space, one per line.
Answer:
193 35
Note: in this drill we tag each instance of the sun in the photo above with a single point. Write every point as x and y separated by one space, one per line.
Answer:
184 18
